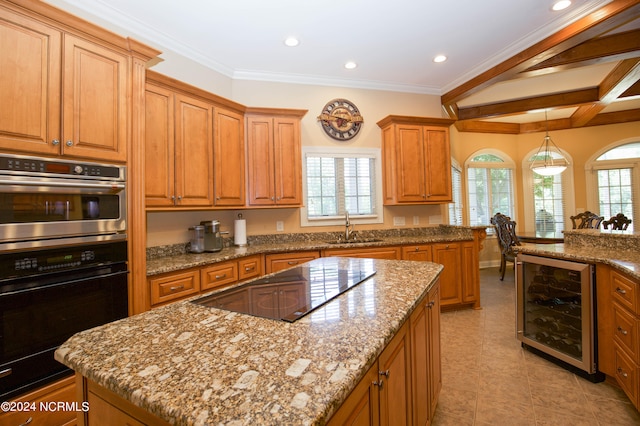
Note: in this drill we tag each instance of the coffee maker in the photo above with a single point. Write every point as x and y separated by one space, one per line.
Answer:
212 235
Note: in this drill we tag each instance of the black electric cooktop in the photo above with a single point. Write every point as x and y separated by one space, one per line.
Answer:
289 295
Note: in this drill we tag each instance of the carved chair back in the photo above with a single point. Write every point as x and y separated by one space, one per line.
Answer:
619 222
586 220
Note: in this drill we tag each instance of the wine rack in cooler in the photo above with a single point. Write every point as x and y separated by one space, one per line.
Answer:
555 313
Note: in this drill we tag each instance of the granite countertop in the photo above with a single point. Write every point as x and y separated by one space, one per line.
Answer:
160 264
191 364
619 249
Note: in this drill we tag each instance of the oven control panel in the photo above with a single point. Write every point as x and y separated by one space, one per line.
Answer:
24 165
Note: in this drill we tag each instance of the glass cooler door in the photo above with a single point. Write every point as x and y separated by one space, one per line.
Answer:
555 311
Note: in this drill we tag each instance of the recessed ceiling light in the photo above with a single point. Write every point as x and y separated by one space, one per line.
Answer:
439 58
350 65
291 41
562 4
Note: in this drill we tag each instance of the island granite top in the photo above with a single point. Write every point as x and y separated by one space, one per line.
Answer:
195 365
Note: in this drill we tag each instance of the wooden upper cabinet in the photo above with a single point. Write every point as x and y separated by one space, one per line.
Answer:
274 157
194 152
95 108
229 158
159 146
416 160
30 85
61 94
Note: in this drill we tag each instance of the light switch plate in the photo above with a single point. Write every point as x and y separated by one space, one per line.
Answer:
398 221
279 226
416 220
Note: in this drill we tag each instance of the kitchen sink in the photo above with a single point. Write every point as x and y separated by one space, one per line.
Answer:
357 240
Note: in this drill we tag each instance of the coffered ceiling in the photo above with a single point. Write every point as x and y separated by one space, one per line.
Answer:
509 61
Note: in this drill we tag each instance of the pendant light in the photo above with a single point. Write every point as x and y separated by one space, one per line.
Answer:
548 161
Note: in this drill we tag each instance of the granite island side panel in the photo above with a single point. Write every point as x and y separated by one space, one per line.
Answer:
190 364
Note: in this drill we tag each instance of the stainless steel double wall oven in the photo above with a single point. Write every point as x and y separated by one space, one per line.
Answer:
63 261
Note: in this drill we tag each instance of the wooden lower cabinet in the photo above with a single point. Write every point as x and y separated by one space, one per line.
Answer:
403 385
419 253
279 261
392 252
63 390
173 286
618 314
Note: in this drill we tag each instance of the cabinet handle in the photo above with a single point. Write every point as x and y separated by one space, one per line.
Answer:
177 287
430 304
69 143
377 383
219 277
622 331
6 372
622 372
384 373
55 142
417 248
29 420
249 268
621 291
293 262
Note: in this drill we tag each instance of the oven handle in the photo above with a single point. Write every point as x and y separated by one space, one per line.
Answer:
112 186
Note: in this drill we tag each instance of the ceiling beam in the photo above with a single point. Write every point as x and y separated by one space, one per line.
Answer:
615 47
488 127
597 23
556 100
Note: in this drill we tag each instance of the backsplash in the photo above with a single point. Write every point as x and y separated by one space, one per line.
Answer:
440 230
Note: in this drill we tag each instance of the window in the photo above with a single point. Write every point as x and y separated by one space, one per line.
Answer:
548 200
616 181
455 208
338 181
490 187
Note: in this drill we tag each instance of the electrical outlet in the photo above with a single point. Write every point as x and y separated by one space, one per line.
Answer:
279 226
416 220
398 221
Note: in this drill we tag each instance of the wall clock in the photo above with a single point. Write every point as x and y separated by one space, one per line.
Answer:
341 119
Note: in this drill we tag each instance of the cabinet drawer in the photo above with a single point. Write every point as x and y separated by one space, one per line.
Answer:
277 262
170 287
625 292
219 275
626 374
626 331
249 267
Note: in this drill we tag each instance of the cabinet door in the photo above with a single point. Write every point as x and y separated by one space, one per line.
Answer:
95 103
250 267
449 256
260 161
361 408
229 158
410 159
288 161
419 253
159 147
435 361
395 381
193 154
437 165
420 363
30 55
290 295
470 278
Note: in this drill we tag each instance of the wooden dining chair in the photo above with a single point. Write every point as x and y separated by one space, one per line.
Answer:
586 220
619 222
506 233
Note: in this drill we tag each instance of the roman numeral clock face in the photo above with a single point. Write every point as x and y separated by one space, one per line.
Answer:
341 119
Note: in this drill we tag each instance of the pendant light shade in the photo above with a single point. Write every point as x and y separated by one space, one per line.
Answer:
548 161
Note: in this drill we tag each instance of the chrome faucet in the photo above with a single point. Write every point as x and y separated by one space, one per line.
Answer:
349 233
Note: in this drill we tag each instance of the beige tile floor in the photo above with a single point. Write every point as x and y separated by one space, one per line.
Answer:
488 379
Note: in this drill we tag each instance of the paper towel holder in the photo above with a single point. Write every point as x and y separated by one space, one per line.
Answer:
240 231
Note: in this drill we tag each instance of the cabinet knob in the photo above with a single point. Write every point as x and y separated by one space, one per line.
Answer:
622 372
621 291
417 248
55 142
622 331
69 143
430 304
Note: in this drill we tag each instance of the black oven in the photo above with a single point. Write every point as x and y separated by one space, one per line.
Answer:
46 296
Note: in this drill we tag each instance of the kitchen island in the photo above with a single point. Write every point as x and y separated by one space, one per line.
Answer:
185 363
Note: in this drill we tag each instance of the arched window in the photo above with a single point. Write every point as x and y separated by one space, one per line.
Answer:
548 200
490 186
615 180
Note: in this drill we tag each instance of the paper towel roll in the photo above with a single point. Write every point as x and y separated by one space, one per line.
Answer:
240 232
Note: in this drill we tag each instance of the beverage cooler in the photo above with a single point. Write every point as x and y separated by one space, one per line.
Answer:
555 311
